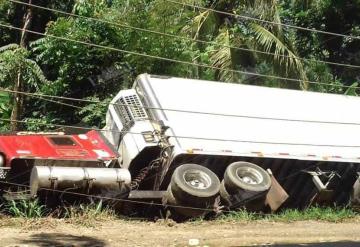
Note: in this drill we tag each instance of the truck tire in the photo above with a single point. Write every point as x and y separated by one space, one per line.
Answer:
227 200
224 195
194 185
184 210
355 195
246 176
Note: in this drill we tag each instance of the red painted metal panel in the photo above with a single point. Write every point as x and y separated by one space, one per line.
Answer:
89 146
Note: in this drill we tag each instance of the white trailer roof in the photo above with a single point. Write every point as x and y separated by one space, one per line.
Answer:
312 125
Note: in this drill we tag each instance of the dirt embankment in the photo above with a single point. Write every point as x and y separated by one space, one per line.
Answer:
136 233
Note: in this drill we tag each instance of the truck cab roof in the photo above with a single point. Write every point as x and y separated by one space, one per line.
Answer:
24 145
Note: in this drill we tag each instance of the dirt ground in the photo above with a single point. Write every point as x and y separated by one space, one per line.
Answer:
136 233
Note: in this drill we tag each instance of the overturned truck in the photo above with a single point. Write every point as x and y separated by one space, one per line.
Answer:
197 145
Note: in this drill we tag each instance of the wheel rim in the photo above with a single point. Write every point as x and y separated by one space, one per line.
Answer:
249 175
197 179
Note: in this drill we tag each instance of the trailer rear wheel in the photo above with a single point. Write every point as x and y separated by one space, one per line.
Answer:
180 208
224 195
355 195
246 176
194 184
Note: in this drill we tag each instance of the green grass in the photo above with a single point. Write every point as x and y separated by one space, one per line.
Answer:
92 214
88 214
83 214
25 208
329 214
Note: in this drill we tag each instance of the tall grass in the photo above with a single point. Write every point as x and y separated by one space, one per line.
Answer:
25 208
329 214
91 214
88 214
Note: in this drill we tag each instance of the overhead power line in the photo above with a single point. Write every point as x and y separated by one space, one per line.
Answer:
174 60
158 57
264 21
182 137
41 96
49 100
180 37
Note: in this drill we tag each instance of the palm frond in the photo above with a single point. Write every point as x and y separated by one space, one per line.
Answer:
352 89
283 56
222 57
9 47
266 10
194 2
36 70
205 23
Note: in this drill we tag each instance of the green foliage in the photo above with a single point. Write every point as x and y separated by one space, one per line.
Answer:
25 208
6 11
240 215
78 70
272 44
89 72
228 32
321 73
40 124
89 7
5 110
329 214
15 60
17 68
94 112
331 16
71 65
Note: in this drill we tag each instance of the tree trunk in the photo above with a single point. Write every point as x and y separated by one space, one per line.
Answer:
18 98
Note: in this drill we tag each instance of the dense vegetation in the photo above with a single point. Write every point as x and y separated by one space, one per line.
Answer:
113 40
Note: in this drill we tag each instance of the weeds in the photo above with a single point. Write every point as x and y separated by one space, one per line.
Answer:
91 214
25 208
329 214
240 215
88 214
29 213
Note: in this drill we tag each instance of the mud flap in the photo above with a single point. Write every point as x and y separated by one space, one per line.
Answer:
276 195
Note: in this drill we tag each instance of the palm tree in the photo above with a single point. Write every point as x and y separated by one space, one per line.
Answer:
231 31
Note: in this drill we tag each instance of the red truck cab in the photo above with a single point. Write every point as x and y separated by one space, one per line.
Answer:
56 148
59 161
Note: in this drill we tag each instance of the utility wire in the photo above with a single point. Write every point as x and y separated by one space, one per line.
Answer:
263 21
50 100
177 61
41 96
174 60
183 137
161 58
111 198
178 36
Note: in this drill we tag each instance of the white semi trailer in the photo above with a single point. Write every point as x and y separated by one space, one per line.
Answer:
197 139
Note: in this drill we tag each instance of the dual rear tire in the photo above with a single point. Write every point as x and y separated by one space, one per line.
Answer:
245 185
194 189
